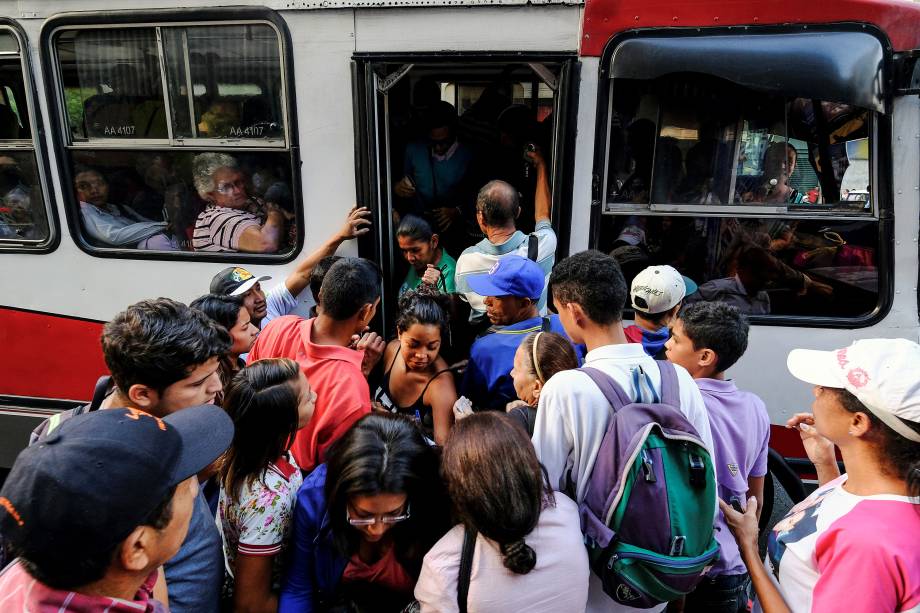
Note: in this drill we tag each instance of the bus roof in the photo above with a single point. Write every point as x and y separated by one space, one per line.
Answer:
605 18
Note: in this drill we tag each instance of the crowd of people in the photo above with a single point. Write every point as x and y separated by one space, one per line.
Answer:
484 455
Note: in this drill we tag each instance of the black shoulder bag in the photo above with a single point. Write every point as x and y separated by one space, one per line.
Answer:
466 568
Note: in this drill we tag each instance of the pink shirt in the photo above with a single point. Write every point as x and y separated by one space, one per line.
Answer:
836 551
559 581
21 593
334 373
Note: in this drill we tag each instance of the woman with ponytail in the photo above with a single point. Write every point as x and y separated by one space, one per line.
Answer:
853 544
269 401
528 553
417 382
539 357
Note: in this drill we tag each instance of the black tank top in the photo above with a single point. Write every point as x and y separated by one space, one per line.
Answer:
418 410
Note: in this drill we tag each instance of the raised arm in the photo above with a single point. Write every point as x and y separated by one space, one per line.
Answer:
543 199
356 224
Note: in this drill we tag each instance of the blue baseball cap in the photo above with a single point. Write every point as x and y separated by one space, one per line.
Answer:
88 483
512 275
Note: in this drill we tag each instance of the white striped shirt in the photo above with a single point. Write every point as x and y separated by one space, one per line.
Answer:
219 228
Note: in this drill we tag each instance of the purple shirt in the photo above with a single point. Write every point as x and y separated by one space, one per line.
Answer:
741 435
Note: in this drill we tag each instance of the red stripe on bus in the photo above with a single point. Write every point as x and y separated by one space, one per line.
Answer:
49 356
787 442
605 18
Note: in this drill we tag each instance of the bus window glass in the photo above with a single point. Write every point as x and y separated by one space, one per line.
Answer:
198 91
764 266
764 201
182 201
112 84
235 74
23 215
8 43
682 140
14 118
22 208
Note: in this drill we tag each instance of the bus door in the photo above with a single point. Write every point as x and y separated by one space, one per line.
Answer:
503 104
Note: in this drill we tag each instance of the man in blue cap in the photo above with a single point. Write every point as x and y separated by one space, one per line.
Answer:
95 508
511 291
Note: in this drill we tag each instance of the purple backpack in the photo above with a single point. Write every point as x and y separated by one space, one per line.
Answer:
649 507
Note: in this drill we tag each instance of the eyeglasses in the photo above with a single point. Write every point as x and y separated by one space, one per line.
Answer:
384 519
226 188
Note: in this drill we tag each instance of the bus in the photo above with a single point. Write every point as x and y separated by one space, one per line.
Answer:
751 145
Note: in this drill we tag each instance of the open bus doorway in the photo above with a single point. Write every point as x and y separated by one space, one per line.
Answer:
483 113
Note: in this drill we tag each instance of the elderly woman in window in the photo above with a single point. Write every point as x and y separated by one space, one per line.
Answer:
232 220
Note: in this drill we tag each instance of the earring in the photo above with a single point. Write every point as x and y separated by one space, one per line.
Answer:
852 433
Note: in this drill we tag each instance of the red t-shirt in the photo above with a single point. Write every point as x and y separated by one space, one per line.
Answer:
386 572
334 372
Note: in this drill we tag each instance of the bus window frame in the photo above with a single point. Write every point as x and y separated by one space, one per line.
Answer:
880 170
36 145
171 18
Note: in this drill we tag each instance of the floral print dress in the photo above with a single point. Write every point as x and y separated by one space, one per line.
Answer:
259 522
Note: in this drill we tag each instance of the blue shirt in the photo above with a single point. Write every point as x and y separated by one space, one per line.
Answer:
487 381
481 257
195 574
438 183
316 567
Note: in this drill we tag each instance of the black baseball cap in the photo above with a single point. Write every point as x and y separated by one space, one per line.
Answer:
234 281
87 484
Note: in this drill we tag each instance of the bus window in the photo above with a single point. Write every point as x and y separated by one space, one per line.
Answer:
235 77
24 219
111 81
745 192
177 139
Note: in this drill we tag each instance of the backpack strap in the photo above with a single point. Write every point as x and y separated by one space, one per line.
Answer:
670 387
609 388
466 568
100 392
544 325
533 247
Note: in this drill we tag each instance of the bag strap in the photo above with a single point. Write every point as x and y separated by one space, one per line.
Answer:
545 324
533 247
466 568
609 388
102 389
670 387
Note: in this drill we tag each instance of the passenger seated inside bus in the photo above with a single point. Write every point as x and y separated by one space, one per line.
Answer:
17 217
754 270
132 108
110 225
221 120
773 185
232 219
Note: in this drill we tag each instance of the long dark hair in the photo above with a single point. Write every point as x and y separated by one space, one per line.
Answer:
496 484
899 455
386 454
224 311
263 402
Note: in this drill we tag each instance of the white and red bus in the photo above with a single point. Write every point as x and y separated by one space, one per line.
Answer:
659 120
